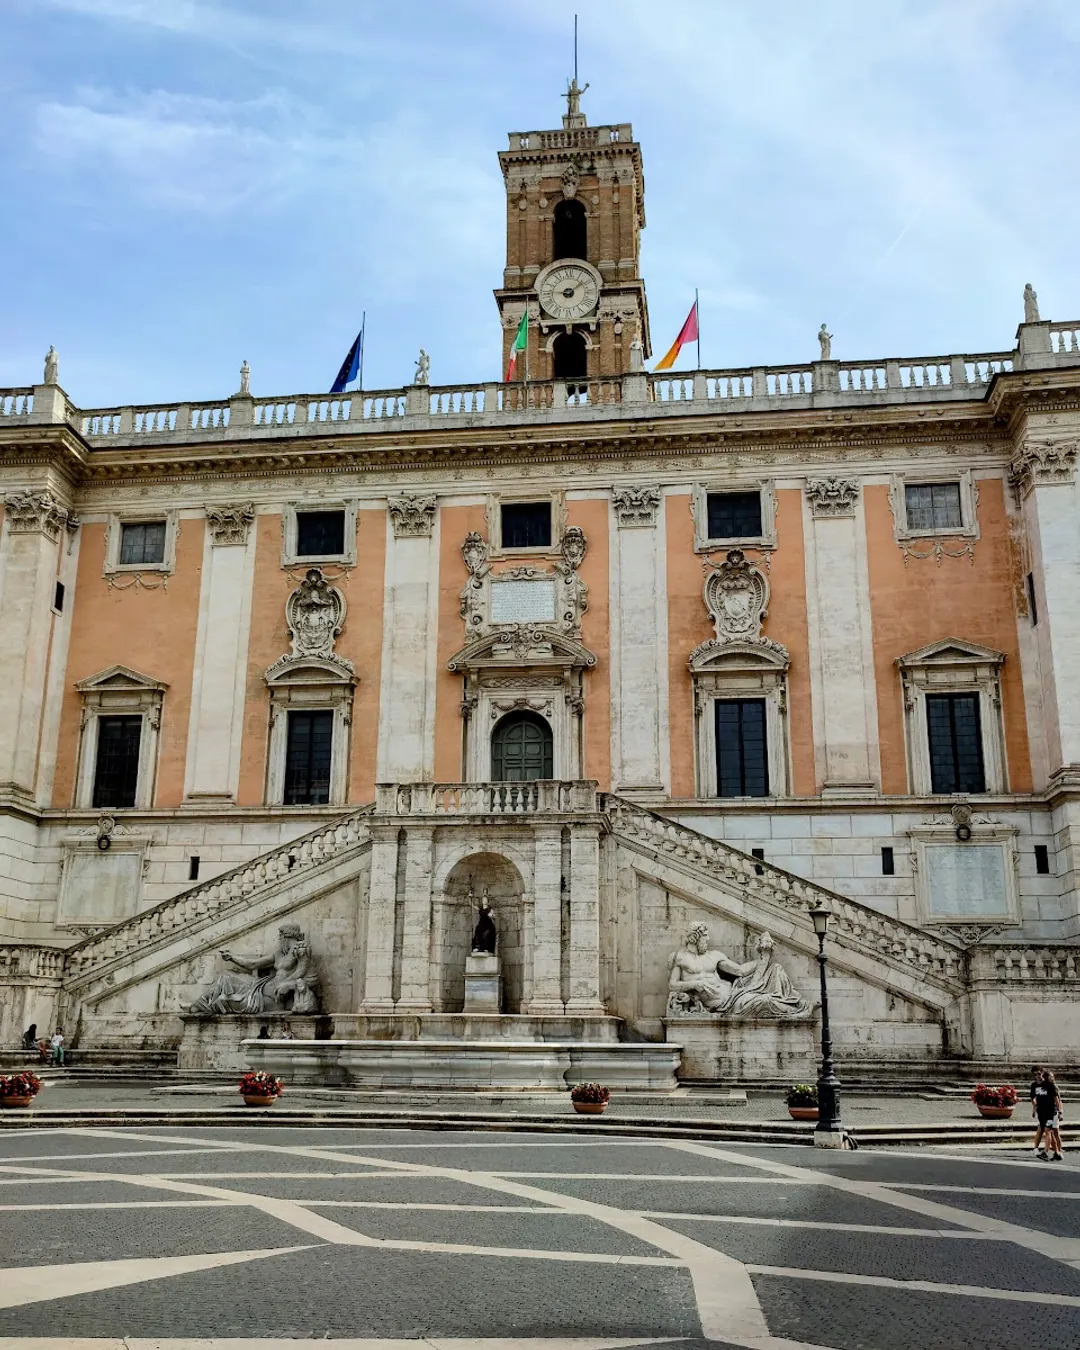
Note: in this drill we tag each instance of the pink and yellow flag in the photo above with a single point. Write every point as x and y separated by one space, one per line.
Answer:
687 333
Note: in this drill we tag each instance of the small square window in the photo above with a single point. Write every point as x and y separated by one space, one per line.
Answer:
888 862
142 543
193 867
1042 860
734 515
320 534
58 598
759 854
526 524
933 506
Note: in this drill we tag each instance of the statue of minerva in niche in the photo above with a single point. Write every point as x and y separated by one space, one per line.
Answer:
284 980
705 981
485 936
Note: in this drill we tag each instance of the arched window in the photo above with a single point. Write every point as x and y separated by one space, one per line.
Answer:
570 357
570 231
521 748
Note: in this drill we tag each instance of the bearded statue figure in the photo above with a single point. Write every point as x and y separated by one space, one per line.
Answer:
705 980
284 980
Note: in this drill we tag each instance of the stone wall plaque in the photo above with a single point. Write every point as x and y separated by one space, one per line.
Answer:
966 881
523 601
100 888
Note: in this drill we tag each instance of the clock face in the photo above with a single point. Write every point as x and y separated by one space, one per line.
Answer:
569 292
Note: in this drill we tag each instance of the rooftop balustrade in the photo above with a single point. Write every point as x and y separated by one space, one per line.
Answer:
632 396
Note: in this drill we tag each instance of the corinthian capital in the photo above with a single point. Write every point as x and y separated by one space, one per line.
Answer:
832 496
35 513
1037 463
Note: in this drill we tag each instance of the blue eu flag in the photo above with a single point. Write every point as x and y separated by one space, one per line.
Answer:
350 365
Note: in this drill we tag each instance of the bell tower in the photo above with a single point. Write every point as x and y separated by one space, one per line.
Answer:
575 209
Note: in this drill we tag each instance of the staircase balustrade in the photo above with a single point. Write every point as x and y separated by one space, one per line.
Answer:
771 884
213 898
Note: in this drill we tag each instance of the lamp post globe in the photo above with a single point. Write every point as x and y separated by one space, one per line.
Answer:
829 1132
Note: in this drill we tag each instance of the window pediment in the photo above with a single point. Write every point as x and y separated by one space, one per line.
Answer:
718 655
119 679
951 652
522 646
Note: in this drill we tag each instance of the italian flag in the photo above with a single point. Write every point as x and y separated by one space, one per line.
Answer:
518 345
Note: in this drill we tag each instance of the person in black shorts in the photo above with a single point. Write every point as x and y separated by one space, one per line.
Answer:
1036 1079
1047 1109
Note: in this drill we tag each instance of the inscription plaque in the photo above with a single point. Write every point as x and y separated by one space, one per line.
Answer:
523 601
966 881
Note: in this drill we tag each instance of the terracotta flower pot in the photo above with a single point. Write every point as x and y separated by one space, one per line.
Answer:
803 1112
590 1108
261 1099
995 1112
8 1102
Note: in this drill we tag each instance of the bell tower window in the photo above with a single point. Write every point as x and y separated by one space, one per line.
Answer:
570 357
570 232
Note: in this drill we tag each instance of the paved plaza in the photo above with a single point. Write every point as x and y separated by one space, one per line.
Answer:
177 1233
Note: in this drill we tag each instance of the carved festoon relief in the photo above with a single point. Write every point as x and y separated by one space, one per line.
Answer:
703 981
315 612
35 513
229 525
284 980
1042 463
412 517
636 505
832 496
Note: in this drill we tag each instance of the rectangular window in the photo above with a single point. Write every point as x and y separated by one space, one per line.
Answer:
1033 604
933 506
320 534
734 515
759 854
142 543
193 867
58 598
955 734
888 863
526 524
116 772
307 758
1042 860
741 766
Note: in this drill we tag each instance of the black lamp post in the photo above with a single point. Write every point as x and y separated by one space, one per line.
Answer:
829 1132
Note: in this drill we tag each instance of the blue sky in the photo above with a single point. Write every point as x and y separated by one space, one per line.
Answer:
188 183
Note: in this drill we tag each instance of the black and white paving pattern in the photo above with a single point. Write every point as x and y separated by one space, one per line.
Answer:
113 1238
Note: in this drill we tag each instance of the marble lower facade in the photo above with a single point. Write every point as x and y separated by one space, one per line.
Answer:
367 922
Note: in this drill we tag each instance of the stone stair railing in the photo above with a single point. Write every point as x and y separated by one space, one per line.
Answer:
1024 964
30 963
215 898
757 879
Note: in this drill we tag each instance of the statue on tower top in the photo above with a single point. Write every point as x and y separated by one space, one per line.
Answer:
574 116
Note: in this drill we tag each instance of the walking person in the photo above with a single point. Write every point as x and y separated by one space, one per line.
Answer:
1053 1125
1036 1079
56 1045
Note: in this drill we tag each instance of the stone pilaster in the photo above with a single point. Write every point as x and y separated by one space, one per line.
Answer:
841 650
584 921
415 989
218 686
33 526
406 749
382 904
1043 477
547 922
639 643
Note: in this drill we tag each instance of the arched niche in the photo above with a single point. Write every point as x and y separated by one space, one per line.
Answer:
570 357
456 910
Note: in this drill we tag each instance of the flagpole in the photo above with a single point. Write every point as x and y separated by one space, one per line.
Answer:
697 315
360 372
